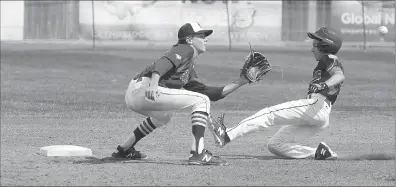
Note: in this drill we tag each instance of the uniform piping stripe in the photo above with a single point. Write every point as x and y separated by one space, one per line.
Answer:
199 117
201 124
272 112
200 112
143 130
148 127
151 123
198 121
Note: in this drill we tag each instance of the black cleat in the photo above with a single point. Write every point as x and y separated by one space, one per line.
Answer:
323 152
130 153
205 158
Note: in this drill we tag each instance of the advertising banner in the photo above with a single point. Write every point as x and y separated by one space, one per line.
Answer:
160 20
12 20
348 18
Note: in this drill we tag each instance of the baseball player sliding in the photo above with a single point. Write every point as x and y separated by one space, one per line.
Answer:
300 118
169 84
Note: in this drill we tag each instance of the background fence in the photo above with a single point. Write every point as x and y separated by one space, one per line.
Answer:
233 21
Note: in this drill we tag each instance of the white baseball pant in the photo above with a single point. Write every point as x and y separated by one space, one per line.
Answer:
299 119
161 110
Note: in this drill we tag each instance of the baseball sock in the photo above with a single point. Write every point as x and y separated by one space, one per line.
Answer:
199 121
144 129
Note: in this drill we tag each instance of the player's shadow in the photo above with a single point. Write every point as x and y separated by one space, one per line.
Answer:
95 160
108 160
342 157
245 157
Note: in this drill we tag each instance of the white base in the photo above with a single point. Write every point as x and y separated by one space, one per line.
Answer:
65 150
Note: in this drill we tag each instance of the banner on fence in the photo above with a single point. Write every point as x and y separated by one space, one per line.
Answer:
348 18
155 20
12 20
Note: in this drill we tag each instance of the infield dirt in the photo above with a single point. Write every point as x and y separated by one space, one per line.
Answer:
76 96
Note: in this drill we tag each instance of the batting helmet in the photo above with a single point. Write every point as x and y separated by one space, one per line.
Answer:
329 39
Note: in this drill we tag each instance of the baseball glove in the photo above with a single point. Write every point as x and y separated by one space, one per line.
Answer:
255 67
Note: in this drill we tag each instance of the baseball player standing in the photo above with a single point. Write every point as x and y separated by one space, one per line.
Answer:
169 84
300 118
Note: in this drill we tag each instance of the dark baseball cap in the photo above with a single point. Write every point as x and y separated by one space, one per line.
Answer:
192 28
326 34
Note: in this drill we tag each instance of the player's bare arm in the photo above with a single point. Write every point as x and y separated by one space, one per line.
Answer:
229 88
329 73
337 78
216 93
255 67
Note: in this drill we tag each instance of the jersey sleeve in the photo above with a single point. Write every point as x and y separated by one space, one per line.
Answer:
179 54
173 58
330 63
161 66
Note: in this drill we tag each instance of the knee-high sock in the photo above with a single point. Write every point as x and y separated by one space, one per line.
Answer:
199 121
144 129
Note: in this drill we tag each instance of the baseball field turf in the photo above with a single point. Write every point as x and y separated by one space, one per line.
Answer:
53 95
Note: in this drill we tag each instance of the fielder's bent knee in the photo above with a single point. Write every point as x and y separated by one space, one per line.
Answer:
274 143
271 147
162 120
203 105
274 148
323 123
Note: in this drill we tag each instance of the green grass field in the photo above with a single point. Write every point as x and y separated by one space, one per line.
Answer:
76 96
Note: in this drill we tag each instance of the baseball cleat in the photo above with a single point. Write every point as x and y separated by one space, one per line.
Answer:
323 152
205 158
130 153
219 131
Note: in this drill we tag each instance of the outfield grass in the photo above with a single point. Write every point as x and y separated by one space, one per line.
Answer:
76 96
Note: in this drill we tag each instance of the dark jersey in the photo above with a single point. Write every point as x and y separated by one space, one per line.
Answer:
327 66
176 69
175 64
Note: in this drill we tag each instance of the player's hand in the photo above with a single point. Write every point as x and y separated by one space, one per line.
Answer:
152 93
317 87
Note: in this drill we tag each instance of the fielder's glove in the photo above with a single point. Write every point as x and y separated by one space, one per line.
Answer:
255 67
317 87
